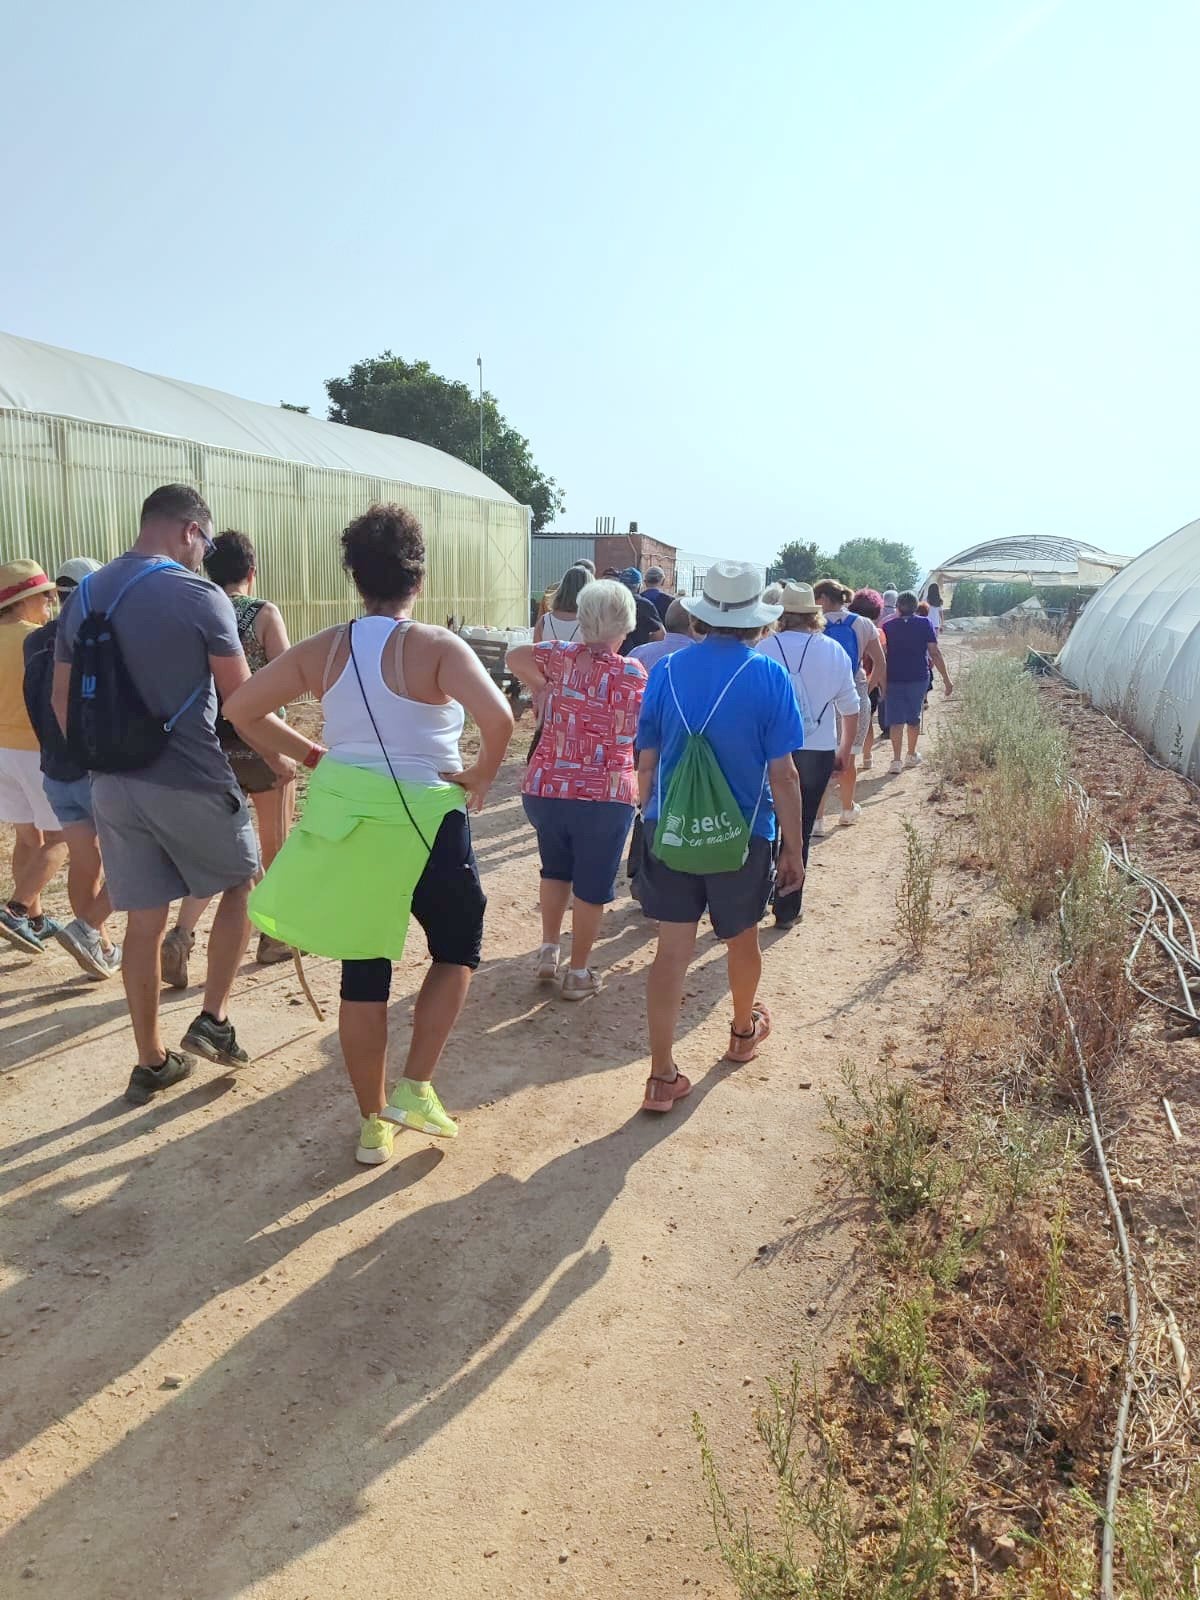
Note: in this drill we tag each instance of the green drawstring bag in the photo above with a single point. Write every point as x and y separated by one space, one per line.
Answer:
701 828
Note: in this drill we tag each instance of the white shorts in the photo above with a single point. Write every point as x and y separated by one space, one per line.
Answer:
22 798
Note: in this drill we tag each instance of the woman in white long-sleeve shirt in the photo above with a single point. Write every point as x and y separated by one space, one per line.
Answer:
823 682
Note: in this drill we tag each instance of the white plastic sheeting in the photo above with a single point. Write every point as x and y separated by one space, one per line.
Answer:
61 383
1135 651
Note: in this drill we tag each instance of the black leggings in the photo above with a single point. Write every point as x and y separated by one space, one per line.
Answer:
815 768
448 902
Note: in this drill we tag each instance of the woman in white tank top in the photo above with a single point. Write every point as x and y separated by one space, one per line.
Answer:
386 832
561 623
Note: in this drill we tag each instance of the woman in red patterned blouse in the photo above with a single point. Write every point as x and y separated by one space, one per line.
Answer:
580 787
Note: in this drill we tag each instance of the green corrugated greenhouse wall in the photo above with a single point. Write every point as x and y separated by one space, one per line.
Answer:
70 488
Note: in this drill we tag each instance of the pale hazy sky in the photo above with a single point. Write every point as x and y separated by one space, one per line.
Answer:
908 268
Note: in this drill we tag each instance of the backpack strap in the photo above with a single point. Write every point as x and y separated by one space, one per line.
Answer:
155 566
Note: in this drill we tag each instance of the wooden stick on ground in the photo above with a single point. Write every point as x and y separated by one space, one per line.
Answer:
312 999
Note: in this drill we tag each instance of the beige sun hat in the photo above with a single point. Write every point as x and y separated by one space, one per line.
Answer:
799 599
21 579
732 598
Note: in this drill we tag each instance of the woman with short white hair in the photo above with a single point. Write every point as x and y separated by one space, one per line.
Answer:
580 788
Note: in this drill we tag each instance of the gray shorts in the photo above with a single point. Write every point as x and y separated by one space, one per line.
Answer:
160 844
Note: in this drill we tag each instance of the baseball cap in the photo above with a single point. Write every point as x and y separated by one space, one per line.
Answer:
630 575
76 570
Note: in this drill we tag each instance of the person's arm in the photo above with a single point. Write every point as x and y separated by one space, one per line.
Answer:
875 661
270 631
789 813
280 747
60 693
460 674
845 703
935 655
646 769
523 661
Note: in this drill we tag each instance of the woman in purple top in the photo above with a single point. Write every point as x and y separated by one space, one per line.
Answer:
911 647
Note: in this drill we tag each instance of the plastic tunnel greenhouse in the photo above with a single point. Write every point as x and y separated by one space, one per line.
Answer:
83 441
1135 651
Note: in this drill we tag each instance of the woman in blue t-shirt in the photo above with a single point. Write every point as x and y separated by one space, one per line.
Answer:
912 648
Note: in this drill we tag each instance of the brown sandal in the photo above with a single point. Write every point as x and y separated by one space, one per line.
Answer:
743 1047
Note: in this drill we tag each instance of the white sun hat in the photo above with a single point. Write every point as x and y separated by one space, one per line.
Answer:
732 597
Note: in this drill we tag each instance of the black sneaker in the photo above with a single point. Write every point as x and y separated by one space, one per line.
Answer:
146 1082
214 1040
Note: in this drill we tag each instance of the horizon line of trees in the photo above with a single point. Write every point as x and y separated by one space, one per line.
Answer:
860 563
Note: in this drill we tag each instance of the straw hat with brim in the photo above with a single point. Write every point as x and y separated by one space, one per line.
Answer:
21 579
799 599
76 570
732 597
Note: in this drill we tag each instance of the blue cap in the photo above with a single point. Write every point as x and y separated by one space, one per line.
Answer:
631 575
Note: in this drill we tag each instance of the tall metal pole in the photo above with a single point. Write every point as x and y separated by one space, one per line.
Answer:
479 364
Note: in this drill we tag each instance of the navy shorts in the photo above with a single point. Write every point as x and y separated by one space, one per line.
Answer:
904 703
734 900
581 842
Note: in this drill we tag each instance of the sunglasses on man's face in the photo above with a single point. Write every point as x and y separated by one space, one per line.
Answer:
209 544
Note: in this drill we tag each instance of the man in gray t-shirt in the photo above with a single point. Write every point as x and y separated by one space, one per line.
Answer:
181 826
168 626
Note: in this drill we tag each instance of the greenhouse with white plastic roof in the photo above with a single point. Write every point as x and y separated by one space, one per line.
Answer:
83 441
1135 651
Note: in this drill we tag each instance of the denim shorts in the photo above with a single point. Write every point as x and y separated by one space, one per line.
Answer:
70 802
904 703
581 842
735 901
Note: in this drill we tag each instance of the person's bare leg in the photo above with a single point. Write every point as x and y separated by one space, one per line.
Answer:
896 735
585 929
273 811
37 856
664 992
847 779
914 733
439 1003
745 974
227 941
190 912
85 878
142 977
362 1030
554 896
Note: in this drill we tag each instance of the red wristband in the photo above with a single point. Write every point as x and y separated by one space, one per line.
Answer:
315 752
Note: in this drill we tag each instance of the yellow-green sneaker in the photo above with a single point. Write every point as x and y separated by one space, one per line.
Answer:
375 1142
420 1110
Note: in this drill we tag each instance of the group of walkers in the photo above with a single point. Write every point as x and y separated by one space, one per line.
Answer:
142 727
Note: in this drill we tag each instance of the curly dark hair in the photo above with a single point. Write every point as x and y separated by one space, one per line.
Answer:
384 553
231 559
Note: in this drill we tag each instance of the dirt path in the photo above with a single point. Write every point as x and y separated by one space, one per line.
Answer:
237 1364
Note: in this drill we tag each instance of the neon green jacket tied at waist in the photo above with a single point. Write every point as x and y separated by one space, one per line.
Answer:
343 883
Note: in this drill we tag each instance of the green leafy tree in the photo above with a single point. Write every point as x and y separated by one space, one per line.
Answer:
874 564
409 399
967 600
799 562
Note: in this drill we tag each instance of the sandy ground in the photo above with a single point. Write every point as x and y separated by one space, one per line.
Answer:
235 1363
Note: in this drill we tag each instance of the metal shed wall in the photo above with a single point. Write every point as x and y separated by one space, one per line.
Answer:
70 487
551 555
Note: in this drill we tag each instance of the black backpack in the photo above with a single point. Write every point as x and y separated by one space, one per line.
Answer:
109 727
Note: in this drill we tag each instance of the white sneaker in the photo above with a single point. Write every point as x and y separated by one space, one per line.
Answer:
896 768
85 945
866 764
818 829
547 963
849 818
915 759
